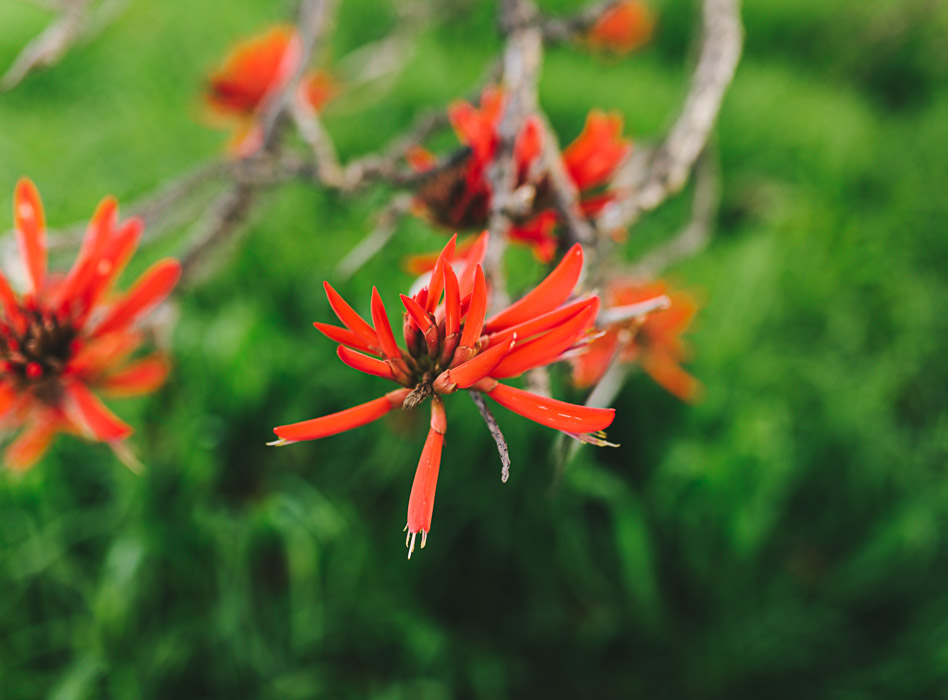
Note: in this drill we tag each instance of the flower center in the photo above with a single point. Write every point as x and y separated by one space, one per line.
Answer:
36 349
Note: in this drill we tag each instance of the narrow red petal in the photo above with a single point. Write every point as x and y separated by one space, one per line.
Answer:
345 337
150 290
115 256
350 319
472 258
436 284
482 365
547 348
98 233
30 226
342 421
364 363
475 314
30 445
530 328
421 501
546 296
452 302
418 314
101 354
552 413
8 300
90 414
141 377
383 328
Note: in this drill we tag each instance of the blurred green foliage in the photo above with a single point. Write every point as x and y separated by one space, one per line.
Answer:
785 538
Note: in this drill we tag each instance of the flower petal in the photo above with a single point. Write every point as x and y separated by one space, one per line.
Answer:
149 291
475 313
141 377
546 296
473 257
350 319
345 337
452 302
341 421
475 369
30 444
92 416
29 222
364 363
421 501
552 413
534 326
436 283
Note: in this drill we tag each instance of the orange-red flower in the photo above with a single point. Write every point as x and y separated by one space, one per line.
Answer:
623 27
69 334
643 324
450 344
251 74
458 196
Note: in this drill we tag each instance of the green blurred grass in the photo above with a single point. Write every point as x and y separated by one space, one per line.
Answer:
782 539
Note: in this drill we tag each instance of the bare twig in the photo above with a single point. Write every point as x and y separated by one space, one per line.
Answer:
560 29
49 46
694 237
380 235
224 219
523 55
648 177
565 194
479 401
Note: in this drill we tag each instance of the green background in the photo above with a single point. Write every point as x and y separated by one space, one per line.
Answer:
784 538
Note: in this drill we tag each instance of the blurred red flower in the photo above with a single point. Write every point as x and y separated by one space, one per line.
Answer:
623 27
69 334
645 333
252 72
451 345
458 195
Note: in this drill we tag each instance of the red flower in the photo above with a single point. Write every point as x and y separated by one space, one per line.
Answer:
458 196
255 70
649 320
625 26
69 334
451 345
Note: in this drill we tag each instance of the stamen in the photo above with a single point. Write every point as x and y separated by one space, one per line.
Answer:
424 538
411 547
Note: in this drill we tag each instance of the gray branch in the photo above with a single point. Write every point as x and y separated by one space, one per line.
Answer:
481 403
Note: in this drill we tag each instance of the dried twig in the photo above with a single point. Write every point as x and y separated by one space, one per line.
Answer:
481 403
561 29
694 237
224 219
49 46
648 177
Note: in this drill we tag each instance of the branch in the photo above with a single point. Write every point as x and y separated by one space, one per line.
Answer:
479 401
523 55
562 29
651 176
229 211
380 235
50 45
694 237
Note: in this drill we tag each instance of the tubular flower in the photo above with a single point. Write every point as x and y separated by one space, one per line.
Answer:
643 324
625 26
251 74
450 345
69 334
458 194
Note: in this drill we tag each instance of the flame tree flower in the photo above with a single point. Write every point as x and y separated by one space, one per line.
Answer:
251 74
450 345
458 194
69 334
643 324
623 27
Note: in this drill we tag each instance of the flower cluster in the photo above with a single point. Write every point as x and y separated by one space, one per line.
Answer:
69 334
459 196
450 345
636 331
251 74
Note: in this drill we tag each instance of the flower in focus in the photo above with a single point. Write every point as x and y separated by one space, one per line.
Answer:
623 27
643 324
451 345
69 334
251 74
457 195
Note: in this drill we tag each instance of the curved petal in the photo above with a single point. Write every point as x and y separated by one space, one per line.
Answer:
30 445
92 416
364 363
141 377
552 413
421 500
350 319
30 226
341 421
546 296
150 290
345 337
546 348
